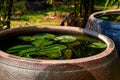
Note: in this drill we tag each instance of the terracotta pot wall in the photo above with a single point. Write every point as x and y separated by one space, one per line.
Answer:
103 66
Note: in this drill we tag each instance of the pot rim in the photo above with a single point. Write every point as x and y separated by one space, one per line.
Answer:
92 16
10 59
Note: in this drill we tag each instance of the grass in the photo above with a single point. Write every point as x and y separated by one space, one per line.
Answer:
22 17
38 18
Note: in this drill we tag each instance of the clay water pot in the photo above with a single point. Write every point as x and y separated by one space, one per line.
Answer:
103 66
107 27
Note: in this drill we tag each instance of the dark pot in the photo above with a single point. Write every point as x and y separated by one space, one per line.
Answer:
106 27
103 66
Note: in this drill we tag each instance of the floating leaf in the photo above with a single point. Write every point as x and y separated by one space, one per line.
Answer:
19 48
105 17
73 44
52 51
65 38
67 53
26 38
55 47
42 52
42 42
28 51
28 56
86 38
53 54
44 36
98 45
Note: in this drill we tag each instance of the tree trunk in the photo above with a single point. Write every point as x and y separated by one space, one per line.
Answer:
91 6
10 4
81 6
85 12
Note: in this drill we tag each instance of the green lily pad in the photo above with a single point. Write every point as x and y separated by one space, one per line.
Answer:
42 42
67 53
26 38
53 51
54 54
65 38
44 36
97 45
55 47
19 48
73 44
28 51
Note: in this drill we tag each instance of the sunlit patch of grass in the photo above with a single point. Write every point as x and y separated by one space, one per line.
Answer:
36 20
41 18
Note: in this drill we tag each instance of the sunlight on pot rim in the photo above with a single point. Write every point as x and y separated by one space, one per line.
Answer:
92 16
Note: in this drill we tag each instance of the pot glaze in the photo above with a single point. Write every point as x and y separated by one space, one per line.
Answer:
106 27
103 66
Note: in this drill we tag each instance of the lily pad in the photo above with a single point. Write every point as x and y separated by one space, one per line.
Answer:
26 38
65 38
67 53
42 42
44 36
55 47
54 54
97 45
28 51
19 48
